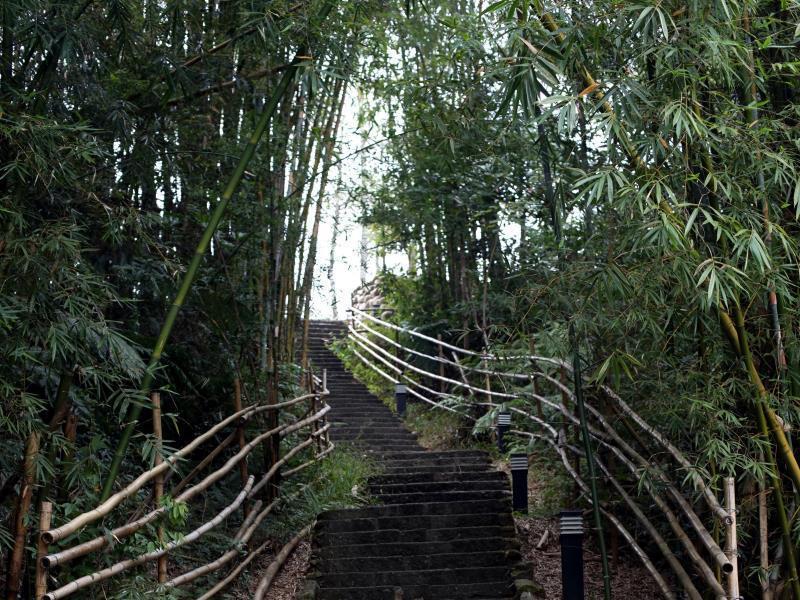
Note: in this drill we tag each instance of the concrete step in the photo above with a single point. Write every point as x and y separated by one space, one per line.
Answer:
437 475
412 522
421 579
461 507
484 591
482 543
382 489
394 537
421 562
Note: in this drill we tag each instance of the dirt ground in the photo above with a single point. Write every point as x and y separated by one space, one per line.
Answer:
630 580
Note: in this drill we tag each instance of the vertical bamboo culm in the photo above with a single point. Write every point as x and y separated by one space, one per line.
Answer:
763 543
45 515
237 406
442 383
158 482
731 543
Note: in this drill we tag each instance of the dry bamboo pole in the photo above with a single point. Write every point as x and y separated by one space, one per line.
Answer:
69 554
103 574
411 390
17 554
45 514
662 545
648 564
731 545
237 406
106 507
444 361
491 357
711 498
158 483
235 572
273 470
114 500
434 376
280 559
763 543
702 566
242 536
442 384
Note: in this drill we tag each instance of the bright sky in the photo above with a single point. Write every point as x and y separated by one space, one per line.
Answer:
345 176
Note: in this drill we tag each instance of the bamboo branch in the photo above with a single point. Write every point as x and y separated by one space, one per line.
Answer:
280 559
126 530
200 251
124 565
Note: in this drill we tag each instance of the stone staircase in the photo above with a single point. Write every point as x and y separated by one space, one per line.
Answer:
443 529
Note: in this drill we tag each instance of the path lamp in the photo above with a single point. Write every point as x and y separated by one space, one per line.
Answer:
400 396
519 482
571 538
503 425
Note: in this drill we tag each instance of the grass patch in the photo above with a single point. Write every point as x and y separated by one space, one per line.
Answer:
337 482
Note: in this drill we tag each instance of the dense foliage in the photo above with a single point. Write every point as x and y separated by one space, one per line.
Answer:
630 168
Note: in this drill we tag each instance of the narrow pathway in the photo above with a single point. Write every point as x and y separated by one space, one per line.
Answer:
444 528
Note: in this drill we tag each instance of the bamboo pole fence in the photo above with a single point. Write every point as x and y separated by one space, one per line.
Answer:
538 391
308 432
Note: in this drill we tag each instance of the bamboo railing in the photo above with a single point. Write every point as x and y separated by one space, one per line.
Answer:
644 465
307 433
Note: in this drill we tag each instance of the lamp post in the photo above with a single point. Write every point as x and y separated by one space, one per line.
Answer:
400 395
571 538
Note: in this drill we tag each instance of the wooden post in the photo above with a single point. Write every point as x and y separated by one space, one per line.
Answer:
237 406
158 482
731 543
442 383
763 543
535 382
45 515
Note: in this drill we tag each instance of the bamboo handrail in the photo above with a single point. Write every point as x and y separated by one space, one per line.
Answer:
432 375
411 391
124 565
545 359
610 434
69 554
280 558
113 501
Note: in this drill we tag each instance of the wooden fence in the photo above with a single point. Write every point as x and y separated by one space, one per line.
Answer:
539 393
306 432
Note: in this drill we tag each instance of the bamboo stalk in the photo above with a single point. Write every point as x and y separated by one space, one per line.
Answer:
45 514
17 554
731 543
200 251
237 406
103 574
280 559
763 543
643 557
544 359
241 538
99 542
158 483
111 502
760 409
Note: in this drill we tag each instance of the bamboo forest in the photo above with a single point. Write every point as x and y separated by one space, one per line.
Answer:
416 300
